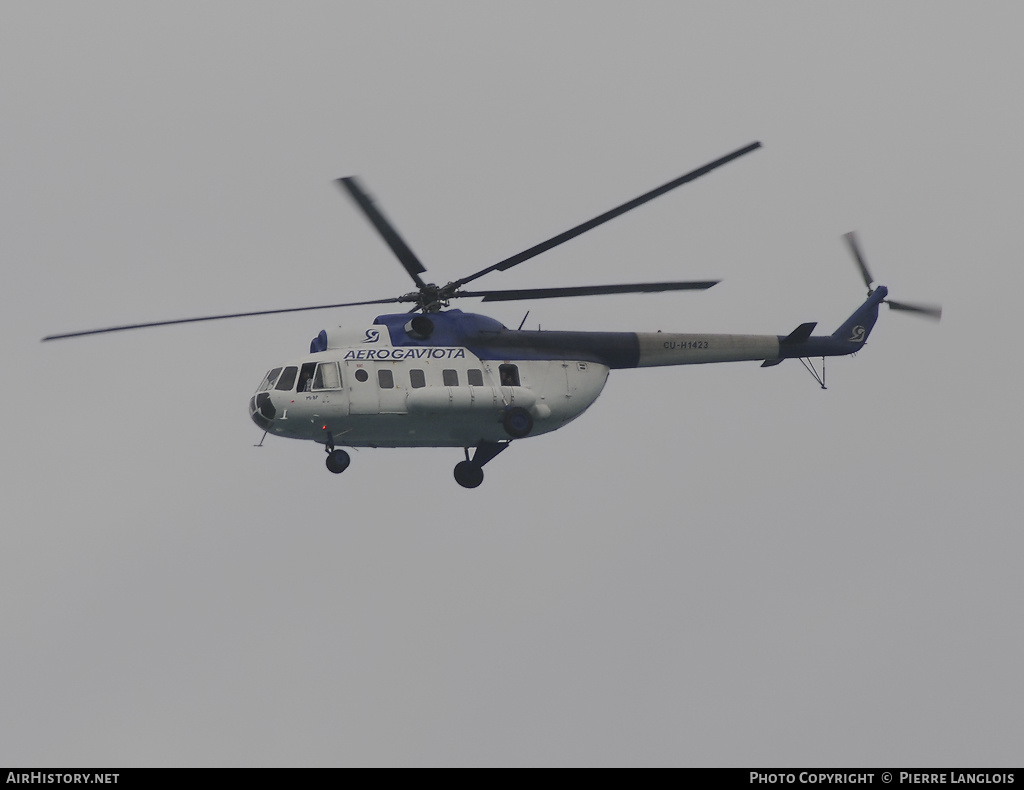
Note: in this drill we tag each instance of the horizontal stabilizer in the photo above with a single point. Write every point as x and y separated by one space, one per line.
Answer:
800 334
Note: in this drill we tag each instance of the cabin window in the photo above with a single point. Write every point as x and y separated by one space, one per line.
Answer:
361 374
509 375
306 377
269 380
287 380
417 379
386 379
450 377
327 377
475 377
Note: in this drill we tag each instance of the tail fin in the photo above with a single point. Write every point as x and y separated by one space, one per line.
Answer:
855 330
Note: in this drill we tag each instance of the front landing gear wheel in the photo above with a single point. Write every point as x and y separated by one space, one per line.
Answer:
338 461
468 474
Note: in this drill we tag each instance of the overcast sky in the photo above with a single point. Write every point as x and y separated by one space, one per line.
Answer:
719 565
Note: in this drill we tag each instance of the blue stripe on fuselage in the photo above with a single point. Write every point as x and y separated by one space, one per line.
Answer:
489 339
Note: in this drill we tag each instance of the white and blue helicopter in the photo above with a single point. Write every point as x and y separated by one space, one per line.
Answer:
439 377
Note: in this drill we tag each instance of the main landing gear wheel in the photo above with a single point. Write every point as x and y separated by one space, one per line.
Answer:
468 474
338 461
517 421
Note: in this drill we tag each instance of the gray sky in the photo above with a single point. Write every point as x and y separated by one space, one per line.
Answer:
713 566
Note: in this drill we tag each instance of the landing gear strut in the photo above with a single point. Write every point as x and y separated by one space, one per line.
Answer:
337 460
470 474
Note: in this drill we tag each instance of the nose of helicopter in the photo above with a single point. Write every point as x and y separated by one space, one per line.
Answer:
261 410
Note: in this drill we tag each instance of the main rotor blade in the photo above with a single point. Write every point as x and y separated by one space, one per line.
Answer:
385 229
931 311
554 241
851 239
587 290
218 317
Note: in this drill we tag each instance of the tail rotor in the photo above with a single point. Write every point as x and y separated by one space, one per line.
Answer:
928 311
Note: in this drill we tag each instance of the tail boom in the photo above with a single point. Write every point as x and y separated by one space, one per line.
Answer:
659 348
664 348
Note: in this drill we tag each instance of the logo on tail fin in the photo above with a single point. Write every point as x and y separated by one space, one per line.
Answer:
858 335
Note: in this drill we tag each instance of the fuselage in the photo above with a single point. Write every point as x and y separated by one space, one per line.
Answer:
361 389
441 397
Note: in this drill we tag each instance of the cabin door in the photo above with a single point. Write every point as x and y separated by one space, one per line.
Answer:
361 385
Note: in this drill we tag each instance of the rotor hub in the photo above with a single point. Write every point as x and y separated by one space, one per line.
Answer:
433 298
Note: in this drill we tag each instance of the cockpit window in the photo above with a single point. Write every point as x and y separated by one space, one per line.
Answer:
269 380
287 380
327 377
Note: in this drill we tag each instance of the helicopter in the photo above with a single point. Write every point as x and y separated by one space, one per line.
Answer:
436 376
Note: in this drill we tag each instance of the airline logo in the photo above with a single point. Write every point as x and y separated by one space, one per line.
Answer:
405 353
